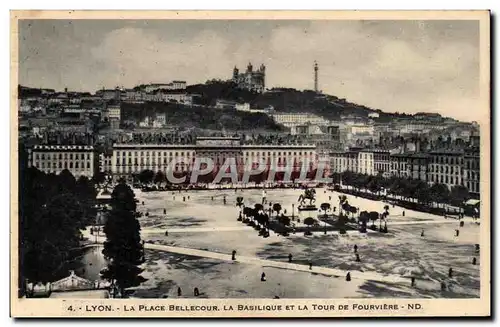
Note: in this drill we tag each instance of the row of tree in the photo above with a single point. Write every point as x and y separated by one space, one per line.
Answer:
159 178
405 188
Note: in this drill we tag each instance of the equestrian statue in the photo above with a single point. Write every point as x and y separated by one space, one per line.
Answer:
309 194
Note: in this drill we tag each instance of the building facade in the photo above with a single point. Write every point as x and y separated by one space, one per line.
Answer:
130 159
446 167
471 173
418 166
382 163
294 119
366 163
78 159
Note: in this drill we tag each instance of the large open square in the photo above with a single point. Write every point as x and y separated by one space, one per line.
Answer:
203 232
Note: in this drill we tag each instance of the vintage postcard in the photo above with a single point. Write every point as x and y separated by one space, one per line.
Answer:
250 164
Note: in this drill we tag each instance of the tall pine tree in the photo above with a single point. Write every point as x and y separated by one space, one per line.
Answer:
123 245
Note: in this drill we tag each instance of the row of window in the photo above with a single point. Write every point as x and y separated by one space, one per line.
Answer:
445 179
473 187
60 156
447 160
143 161
62 165
445 169
472 175
188 154
472 164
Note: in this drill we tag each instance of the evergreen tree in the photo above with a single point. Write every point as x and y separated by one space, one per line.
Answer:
123 245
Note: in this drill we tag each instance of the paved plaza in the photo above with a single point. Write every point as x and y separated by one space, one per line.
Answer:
202 233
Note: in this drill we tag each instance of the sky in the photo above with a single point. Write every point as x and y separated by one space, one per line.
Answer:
404 66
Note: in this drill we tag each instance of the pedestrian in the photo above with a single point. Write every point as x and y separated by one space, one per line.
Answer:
263 277
164 211
413 282
224 199
477 248
443 286
310 266
474 261
142 202
329 198
196 291
166 233
450 273
290 257
355 248
189 197
183 199
233 256
422 234
462 223
348 277
212 198
403 213
179 291
457 232
357 258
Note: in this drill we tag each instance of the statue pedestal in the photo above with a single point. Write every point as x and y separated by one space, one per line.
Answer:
310 207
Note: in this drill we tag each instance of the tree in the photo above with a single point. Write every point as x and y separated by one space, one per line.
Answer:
422 192
99 177
146 176
325 206
342 202
123 244
353 210
309 221
258 207
277 208
375 184
160 177
363 217
239 201
373 216
51 213
86 192
458 195
440 193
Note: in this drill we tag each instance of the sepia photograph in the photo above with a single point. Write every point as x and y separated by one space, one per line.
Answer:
250 164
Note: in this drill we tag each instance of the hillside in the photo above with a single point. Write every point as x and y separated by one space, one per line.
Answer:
285 100
200 116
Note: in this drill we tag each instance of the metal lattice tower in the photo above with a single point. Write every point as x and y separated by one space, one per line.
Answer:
315 77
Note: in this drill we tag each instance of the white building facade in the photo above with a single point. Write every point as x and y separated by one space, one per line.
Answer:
78 159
